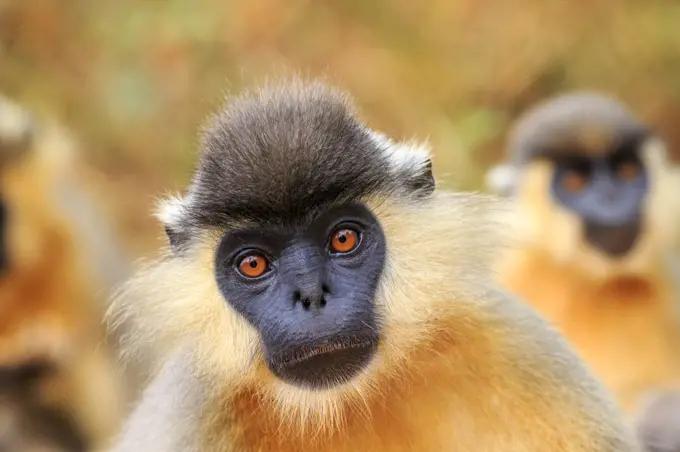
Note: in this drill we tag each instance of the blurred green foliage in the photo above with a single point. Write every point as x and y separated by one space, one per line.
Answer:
134 79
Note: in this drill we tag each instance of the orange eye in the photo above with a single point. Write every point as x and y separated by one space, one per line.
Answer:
628 171
253 265
574 182
344 240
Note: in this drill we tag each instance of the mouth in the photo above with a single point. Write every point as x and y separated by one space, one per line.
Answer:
616 241
324 365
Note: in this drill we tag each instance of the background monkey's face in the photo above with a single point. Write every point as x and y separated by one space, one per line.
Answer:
591 184
309 290
607 193
610 213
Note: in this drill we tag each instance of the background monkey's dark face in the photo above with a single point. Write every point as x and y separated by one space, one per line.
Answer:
284 202
309 290
607 192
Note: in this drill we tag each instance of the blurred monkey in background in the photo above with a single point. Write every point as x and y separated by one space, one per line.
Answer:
57 261
597 210
27 424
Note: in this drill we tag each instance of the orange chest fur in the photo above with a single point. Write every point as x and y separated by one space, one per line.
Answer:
627 330
434 419
440 404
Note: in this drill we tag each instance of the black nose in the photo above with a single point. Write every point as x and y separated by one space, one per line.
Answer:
311 296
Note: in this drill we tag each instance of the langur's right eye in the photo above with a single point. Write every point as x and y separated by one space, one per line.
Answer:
574 181
576 175
343 241
253 265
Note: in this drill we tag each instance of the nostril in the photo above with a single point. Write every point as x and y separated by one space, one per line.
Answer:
322 302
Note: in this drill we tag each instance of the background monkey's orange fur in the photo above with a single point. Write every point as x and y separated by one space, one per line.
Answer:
52 297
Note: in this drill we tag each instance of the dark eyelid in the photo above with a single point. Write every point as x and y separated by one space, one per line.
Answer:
579 165
236 244
348 223
625 156
242 253
576 163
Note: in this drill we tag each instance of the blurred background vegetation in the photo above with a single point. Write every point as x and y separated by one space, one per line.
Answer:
133 80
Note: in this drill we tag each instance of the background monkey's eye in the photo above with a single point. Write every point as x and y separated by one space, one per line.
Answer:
574 181
344 240
626 165
628 170
253 265
576 175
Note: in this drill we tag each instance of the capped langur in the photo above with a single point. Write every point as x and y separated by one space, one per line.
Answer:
318 293
56 263
597 207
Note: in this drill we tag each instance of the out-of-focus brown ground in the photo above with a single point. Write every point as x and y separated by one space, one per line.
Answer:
134 79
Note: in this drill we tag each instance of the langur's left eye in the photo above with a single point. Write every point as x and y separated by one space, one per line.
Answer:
628 171
343 241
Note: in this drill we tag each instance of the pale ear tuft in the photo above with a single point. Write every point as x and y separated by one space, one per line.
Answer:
501 179
410 158
171 212
656 148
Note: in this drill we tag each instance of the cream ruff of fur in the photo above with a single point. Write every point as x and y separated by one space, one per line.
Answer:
459 366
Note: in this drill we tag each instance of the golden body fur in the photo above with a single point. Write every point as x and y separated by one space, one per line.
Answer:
622 316
51 305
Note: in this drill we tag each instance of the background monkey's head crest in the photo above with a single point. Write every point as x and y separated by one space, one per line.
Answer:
588 178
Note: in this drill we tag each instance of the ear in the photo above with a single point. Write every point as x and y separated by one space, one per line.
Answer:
502 179
17 129
411 161
171 213
656 148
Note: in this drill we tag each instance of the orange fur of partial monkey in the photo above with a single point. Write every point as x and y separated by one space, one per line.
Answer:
623 318
446 371
48 304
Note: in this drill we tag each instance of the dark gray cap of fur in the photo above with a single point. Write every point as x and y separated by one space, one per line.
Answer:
284 151
576 123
